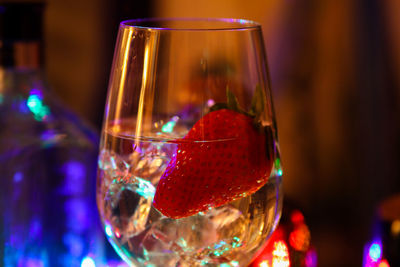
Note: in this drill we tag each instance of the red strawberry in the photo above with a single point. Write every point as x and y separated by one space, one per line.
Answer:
222 158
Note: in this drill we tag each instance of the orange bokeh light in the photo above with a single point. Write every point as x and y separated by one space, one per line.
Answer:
383 263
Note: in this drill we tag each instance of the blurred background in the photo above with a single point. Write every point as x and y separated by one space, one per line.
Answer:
334 68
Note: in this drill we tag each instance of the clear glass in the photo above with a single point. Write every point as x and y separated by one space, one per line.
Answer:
189 171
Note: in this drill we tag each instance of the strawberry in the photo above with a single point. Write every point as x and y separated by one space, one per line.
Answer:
225 156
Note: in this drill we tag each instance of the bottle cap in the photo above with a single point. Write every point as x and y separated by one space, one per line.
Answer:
21 20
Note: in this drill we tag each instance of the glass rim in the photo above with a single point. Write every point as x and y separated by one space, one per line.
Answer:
229 24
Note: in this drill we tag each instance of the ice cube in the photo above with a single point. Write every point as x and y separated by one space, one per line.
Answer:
112 165
150 160
128 202
227 220
226 232
202 238
184 235
154 246
230 225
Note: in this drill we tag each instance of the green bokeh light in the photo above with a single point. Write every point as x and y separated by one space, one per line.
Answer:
168 127
278 167
36 106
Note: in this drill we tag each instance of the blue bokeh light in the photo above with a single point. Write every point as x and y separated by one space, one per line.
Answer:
74 243
18 176
74 183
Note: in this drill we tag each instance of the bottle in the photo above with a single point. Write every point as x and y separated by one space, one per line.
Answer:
47 158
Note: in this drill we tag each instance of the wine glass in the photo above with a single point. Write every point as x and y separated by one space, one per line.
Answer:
189 170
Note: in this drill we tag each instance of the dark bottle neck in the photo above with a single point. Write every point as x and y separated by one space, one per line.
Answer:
21 34
21 55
